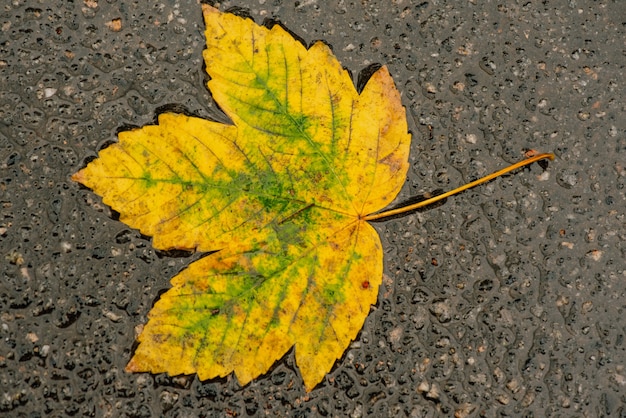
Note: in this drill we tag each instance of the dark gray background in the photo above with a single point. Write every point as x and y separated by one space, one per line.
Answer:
508 300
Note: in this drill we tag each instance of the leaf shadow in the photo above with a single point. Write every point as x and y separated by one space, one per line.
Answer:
173 253
365 74
412 200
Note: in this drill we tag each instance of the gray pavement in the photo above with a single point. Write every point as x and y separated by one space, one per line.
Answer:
508 300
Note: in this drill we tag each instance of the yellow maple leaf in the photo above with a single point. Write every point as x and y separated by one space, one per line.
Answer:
282 196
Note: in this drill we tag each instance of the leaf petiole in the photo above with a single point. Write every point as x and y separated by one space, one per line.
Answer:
474 183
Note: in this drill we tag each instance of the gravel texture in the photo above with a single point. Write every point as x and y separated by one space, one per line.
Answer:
508 300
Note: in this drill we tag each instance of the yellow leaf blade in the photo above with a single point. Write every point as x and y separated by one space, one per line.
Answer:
185 182
335 306
241 309
321 133
379 145
281 194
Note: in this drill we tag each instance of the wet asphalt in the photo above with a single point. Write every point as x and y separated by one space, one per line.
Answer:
507 300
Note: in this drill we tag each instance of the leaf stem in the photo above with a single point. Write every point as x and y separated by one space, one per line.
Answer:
474 183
